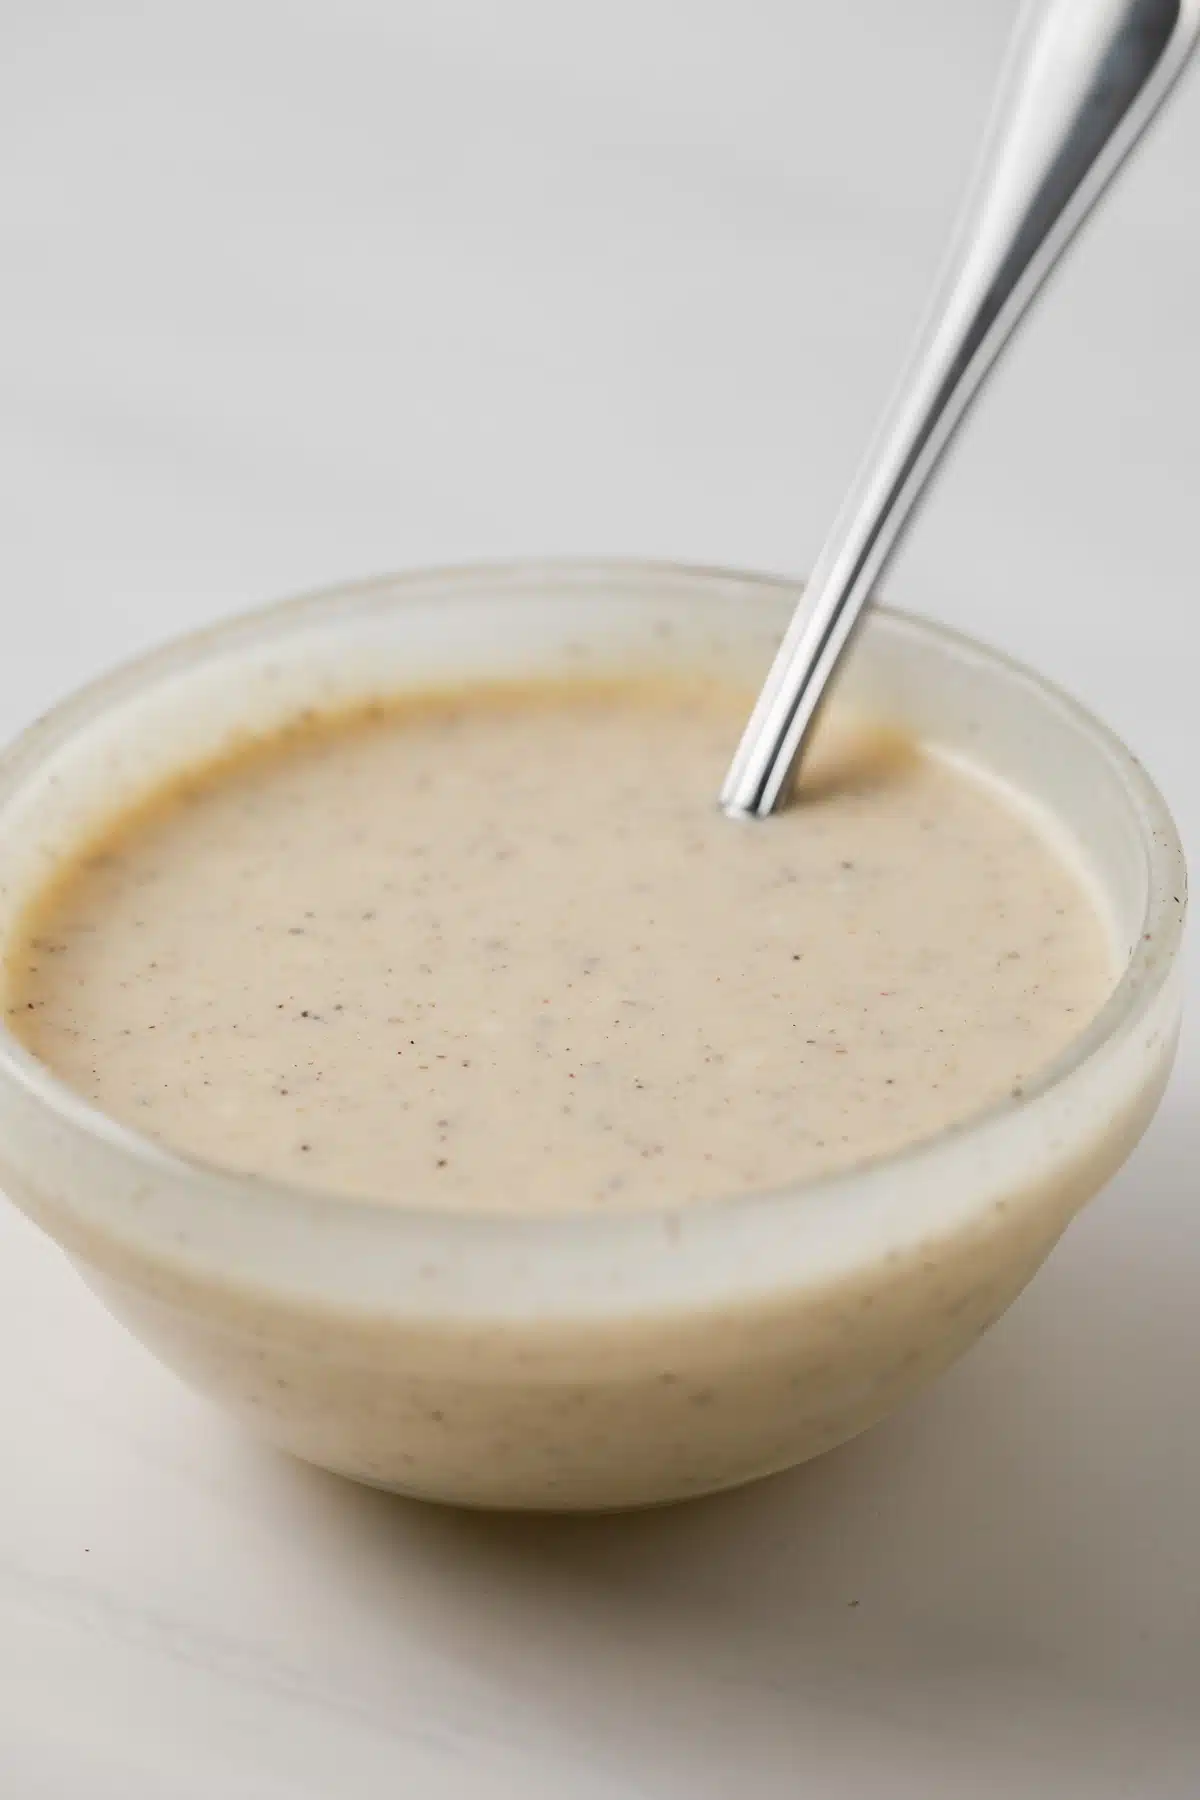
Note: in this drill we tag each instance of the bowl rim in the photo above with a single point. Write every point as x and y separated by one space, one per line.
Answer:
1143 976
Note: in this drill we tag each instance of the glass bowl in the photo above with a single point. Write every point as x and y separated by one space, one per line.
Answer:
582 1361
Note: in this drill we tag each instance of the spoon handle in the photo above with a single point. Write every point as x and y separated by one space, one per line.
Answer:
1083 80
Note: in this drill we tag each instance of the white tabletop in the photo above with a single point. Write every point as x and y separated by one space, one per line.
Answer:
297 291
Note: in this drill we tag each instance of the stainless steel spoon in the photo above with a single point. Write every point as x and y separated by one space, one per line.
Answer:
1084 78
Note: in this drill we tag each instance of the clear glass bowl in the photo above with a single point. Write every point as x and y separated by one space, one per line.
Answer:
582 1361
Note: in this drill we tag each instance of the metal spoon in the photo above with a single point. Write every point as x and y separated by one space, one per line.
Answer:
1084 78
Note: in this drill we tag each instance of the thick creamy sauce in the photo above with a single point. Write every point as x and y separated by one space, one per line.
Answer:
498 950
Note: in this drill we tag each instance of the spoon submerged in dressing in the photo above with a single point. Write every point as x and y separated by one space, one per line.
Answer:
1083 80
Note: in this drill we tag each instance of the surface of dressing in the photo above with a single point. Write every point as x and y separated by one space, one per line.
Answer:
464 951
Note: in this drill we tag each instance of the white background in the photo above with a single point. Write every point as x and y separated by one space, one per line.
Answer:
293 292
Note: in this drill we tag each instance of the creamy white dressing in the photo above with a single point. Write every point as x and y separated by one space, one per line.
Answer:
463 951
